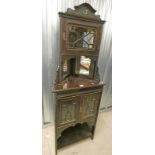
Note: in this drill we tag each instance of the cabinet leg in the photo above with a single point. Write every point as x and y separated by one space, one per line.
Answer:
92 136
56 150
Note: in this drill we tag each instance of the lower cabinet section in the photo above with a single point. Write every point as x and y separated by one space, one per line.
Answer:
76 117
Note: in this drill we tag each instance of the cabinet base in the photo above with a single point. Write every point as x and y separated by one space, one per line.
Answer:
74 134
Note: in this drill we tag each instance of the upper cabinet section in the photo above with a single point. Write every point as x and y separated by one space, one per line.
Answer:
81 30
80 37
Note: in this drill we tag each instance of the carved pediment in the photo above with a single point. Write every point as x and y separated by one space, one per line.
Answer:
84 10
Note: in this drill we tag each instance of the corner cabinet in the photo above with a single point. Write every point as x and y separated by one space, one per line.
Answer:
78 88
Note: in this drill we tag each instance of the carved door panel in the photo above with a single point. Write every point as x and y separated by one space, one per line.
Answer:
68 110
89 105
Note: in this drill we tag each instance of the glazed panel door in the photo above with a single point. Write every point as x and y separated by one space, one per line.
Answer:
80 36
89 105
67 110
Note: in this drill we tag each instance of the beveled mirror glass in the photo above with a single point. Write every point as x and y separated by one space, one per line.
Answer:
81 37
85 65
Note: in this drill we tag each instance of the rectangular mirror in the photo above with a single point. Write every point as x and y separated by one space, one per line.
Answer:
85 65
78 66
68 66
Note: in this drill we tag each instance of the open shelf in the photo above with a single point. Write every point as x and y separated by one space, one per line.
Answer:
74 134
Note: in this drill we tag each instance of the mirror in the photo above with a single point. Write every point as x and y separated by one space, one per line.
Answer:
65 68
68 67
81 37
85 65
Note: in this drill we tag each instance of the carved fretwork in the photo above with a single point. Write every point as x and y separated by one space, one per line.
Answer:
88 105
68 112
90 123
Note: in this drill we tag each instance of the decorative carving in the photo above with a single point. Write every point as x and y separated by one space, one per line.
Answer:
88 105
68 112
85 5
84 10
90 123
59 131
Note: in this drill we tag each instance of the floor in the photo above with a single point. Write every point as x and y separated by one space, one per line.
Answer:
101 145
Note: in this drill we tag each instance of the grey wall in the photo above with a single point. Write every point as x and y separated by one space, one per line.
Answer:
51 50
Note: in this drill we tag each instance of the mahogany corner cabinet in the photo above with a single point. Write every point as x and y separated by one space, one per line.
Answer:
77 88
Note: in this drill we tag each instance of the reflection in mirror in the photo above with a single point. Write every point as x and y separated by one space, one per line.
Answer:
81 37
85 65
68 67
65 68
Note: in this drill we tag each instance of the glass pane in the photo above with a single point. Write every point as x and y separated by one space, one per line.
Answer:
80 37
85 65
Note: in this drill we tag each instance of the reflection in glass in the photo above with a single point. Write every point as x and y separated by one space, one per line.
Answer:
81 37
65 68
85 65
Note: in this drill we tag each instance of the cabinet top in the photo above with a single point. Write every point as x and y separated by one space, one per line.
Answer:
82 12
72 83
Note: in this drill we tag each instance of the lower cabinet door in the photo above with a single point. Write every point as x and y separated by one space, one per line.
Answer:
67 110
89 104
